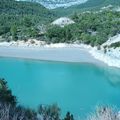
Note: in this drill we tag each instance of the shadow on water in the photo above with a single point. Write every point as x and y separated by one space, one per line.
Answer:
112 75
77 87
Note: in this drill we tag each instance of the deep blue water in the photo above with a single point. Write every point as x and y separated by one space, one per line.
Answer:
75 87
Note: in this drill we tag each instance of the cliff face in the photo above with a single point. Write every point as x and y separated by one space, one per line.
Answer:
51 4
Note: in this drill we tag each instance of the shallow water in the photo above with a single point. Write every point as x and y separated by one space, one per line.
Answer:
75 87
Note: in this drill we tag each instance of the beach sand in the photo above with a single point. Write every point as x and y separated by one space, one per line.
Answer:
62 52
65 54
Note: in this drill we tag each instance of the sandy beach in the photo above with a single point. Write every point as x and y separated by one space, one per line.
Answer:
66 54
34 49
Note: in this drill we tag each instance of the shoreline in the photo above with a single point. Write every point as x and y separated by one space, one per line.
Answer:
60 52
54 61
109 60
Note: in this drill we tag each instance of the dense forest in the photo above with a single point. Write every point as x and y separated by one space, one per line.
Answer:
90 27
22 19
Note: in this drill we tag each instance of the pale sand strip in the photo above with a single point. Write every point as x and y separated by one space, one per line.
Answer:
61 52
66 54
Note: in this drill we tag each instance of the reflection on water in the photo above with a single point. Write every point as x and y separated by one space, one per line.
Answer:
77 87
112 75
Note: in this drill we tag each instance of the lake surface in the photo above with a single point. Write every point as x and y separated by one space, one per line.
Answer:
75 87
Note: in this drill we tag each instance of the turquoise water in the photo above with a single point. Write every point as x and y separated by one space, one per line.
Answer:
75 87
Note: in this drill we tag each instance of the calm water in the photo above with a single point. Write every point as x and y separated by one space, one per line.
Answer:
74 87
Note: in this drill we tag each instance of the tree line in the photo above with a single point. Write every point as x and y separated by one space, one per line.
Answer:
20 20
90 28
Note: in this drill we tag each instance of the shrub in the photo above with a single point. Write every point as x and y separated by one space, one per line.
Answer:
114 45
51 112
6 94
104 113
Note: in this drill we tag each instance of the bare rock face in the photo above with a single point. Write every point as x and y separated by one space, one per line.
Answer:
51 4
63 21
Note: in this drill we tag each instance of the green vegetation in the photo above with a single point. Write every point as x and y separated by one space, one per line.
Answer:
24 20
56 34
90 5
9 110
21 20
115 45
91 28
6 94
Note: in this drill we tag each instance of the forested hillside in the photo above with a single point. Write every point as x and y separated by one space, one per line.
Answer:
89 5
91 28
23 20
23 17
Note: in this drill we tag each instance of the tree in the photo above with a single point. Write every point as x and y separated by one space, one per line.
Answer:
32 32
104 113
6 94
13 31
27 22
55 34
50 112
69 116
75 17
